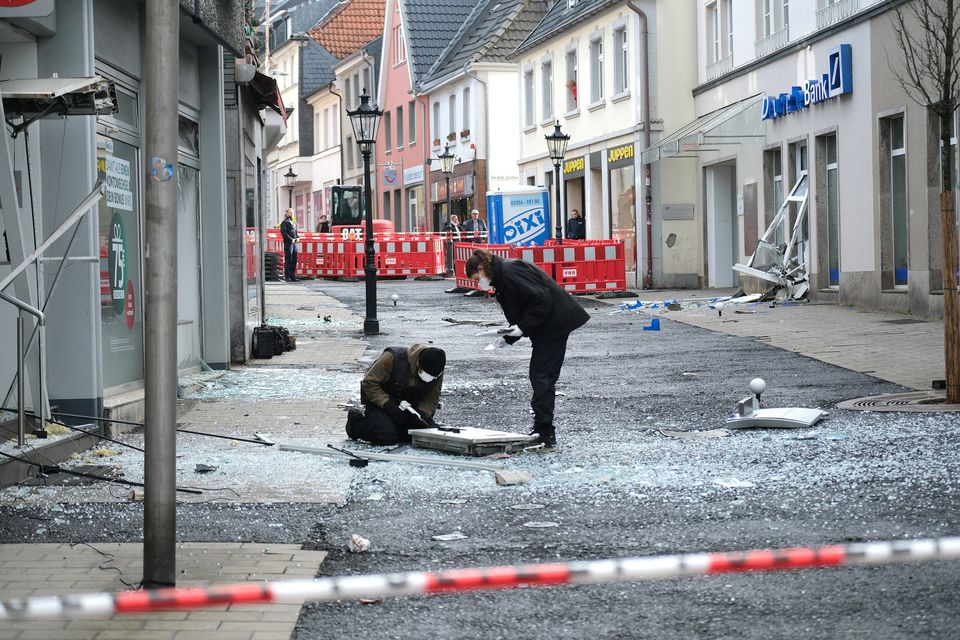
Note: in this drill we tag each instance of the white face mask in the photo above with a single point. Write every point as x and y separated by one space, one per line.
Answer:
426 377
484 282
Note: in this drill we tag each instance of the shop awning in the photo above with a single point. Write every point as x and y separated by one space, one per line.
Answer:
267 93
733 124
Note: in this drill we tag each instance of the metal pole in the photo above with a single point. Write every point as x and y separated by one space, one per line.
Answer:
21 417
449 242
556 183
371 326
289 197
161 72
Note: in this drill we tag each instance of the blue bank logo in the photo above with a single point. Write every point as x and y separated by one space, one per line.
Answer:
836 82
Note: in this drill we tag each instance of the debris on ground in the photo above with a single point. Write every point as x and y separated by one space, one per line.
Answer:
204 468
358 544
734 483
507 478
527 506
449 537
695 435
540 525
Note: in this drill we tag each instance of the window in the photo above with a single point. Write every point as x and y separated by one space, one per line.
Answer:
465 124
528 98
399 127
412 210
620 67
368 86
328 135
572 80
773 190
399 46
786 14
412 113
728 9
898 199
357 88
387 131
546 88
386 206
713 18
596 70
833 212
349 152
335 127
452 115
436 124
348 94
767 20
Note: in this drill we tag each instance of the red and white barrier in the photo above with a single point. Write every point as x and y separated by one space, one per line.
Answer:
464 580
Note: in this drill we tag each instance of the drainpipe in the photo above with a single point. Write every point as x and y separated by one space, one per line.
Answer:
645 105
339 129
427 202
486 134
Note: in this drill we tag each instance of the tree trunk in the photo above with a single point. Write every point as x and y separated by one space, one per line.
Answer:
948 231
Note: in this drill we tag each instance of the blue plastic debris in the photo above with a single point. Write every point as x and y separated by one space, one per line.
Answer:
654 325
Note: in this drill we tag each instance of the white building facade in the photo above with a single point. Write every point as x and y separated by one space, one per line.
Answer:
806 88
596 68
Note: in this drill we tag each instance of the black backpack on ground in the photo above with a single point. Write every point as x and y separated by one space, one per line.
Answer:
264 342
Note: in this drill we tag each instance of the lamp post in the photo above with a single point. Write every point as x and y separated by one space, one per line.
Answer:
446 166
290 177
557 146
364 120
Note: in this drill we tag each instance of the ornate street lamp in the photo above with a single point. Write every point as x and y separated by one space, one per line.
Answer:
291 178
365 119
447 160
557 146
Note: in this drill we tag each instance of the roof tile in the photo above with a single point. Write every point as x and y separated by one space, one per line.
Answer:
349 25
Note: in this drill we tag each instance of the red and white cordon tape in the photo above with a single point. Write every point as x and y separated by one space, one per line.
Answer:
463 580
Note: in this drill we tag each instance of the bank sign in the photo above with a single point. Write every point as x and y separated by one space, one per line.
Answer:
836 82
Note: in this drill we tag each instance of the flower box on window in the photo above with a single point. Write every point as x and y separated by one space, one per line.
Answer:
451 136
465 133
436 142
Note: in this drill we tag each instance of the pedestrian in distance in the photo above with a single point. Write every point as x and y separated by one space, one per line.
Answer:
400 391
288 229
452 228
576 230
538 308
323 226
475 228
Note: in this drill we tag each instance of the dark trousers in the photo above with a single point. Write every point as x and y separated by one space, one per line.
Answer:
289 260
376 427
545 363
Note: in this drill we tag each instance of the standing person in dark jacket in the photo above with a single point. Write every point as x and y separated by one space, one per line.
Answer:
323 226
400 391
536 307
290 238
475 228
575 227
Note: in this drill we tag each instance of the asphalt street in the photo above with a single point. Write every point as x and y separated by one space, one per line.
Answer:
615 487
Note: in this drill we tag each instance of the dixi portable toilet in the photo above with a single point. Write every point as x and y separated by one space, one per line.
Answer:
518 216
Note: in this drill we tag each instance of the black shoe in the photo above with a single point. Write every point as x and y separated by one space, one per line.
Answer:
353 417
546 437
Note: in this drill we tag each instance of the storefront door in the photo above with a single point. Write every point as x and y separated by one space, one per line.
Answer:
121 300
722 247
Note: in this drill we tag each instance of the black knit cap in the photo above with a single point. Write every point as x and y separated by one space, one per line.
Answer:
432 361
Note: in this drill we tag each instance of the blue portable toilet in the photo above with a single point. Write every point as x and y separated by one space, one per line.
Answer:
518 216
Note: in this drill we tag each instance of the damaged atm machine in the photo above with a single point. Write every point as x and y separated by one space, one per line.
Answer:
782 257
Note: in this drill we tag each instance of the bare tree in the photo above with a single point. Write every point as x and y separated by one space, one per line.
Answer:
928 33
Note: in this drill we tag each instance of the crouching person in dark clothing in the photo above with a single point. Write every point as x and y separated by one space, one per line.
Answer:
400 391
538 308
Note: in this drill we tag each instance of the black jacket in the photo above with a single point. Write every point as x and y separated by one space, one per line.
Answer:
533 301
288 231
575 229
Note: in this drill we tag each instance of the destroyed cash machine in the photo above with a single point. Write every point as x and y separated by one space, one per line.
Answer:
519 216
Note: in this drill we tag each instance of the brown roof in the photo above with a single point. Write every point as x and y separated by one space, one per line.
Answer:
349 25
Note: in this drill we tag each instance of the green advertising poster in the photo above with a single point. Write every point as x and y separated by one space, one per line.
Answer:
118 263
